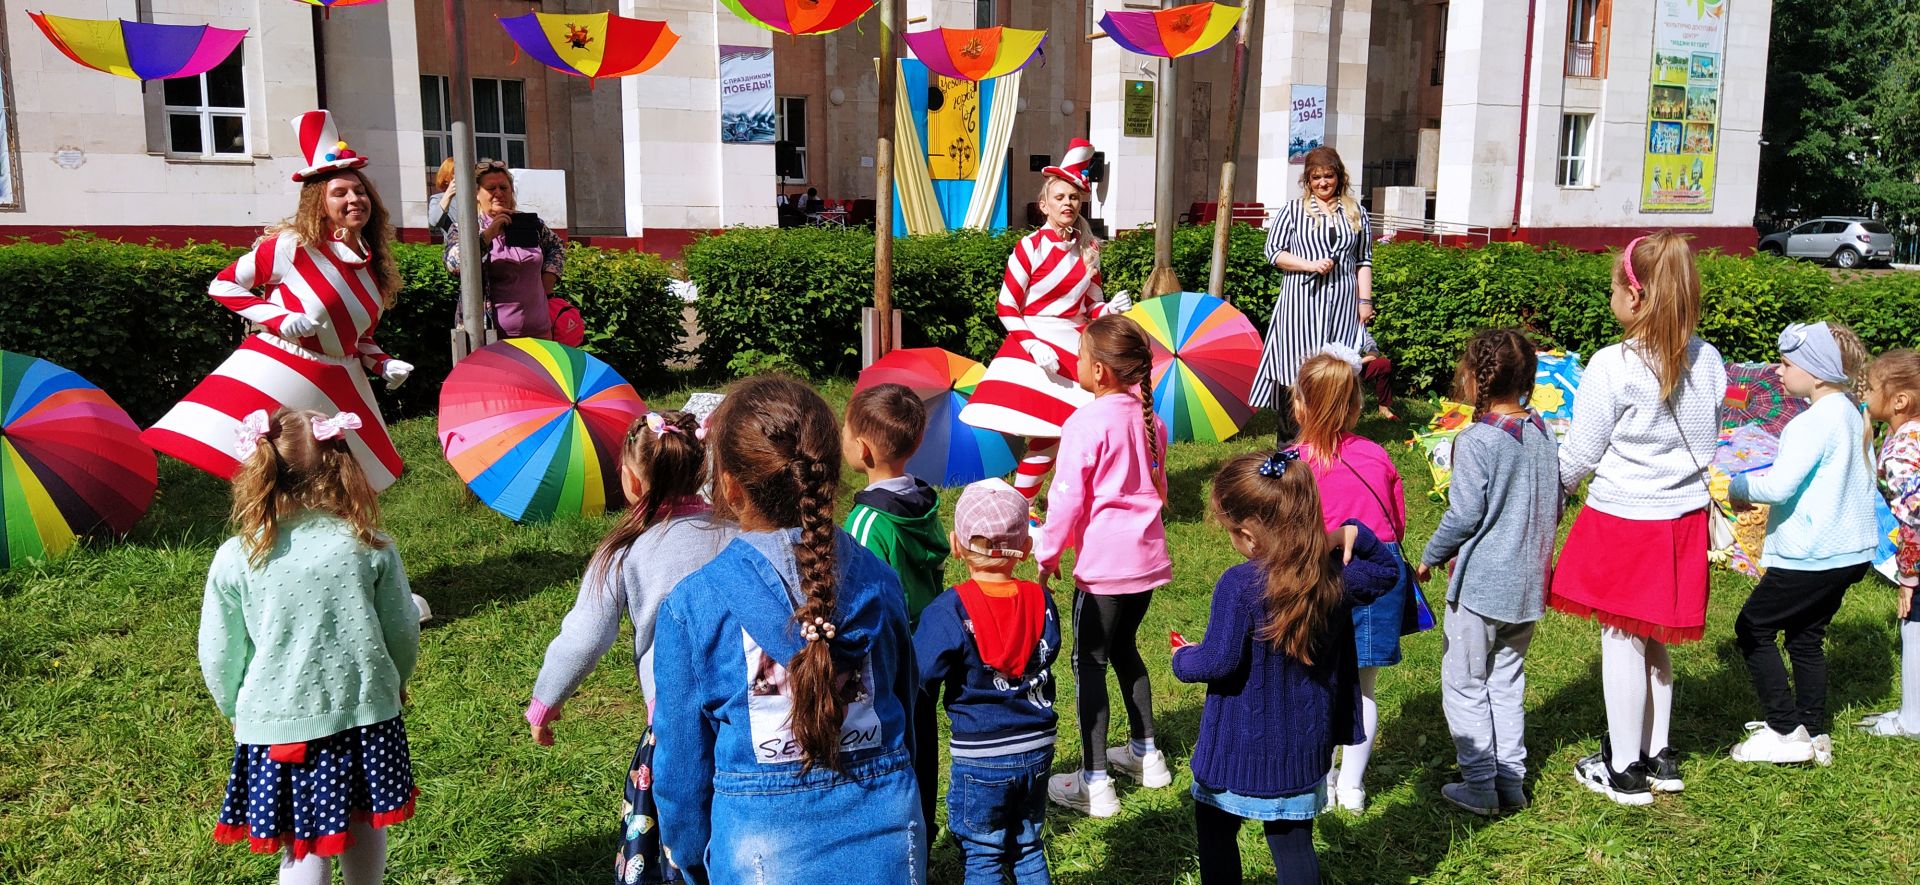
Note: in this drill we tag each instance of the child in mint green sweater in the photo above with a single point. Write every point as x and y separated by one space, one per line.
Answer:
308 633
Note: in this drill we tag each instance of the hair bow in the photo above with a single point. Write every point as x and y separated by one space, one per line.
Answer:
700 433
1276 464
1344 354
327 428
252 430
657 423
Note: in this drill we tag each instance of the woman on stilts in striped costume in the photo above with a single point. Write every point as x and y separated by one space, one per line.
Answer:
1050 292
1325 245
327 275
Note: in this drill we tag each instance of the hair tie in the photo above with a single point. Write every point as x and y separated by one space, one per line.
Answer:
657 423
252 430
700 432
1626 259
1276 463
817 631
1344 354
327 428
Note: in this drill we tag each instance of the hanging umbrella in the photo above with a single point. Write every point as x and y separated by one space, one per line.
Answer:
952 453
71 462
1171 33
328 5
1205 352
139 50
535 428
796 17
593 44
1756 396
975 53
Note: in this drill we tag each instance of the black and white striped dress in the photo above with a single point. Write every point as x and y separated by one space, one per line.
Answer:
1313 310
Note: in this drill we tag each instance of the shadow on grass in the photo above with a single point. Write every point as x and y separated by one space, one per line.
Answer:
458 590
189 509
582 859
1860 668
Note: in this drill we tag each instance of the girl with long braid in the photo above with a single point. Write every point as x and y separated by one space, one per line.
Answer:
785 672
1111 485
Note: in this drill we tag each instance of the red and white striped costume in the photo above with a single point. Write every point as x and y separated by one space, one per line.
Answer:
1049 294
324 371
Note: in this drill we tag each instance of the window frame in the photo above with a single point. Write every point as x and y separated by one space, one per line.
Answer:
780 117
205 114
444 136
1568 159
1589 24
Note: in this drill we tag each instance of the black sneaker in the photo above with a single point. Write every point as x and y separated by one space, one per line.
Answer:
1625 787
1663 771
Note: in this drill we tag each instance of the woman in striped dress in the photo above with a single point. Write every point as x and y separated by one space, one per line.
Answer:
326 274
1050 292
1325 245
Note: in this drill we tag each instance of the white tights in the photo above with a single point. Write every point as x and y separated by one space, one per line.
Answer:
1636 675
1354 758
363 863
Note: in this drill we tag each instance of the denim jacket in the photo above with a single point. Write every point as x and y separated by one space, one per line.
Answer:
727 775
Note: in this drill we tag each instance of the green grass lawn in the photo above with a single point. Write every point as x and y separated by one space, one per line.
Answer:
113 759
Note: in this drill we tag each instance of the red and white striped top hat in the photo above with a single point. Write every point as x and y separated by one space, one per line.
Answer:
1073 166
320 144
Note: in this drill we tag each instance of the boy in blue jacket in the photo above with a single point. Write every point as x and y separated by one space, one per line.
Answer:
992 642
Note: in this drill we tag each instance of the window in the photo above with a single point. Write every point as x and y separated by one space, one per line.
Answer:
1576 149
499 120
207 115
792 130
1587 23
983 13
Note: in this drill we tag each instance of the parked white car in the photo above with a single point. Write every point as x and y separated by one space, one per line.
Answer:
1845 241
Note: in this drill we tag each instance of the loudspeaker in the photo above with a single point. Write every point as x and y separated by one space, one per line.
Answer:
1038 162
1097 168
786 160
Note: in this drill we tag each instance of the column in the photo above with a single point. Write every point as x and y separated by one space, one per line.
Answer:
1125 198
1480 114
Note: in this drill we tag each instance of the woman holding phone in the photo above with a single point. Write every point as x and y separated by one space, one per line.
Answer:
521 257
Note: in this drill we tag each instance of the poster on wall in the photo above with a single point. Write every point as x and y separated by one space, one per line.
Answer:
1306 122
1136 112
1683 105
746 95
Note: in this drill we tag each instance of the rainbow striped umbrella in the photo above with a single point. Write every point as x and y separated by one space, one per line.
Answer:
139 50
975 53
1172 33
328 5
71 462
1205 353
796 17
952 453
535 428
592 44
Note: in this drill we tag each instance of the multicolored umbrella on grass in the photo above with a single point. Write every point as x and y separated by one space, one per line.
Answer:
952 453
1755 395
535 428
1172 33
1205 353
975 53
71 461
139 50
796 17
592 44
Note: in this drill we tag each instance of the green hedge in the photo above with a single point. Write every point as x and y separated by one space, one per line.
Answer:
136 319
793 297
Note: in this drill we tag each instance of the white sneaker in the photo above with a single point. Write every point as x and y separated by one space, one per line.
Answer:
1150 770
1352 800
1093 800
1763 744
1823 750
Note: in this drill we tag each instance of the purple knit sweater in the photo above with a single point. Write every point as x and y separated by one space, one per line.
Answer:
1271 722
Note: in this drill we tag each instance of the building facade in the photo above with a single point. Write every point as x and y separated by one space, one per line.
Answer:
1573 121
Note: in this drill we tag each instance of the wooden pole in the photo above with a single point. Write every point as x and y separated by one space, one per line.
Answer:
890 13
1236 99
1163 279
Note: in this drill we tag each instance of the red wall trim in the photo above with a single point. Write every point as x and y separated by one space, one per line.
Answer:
1733 240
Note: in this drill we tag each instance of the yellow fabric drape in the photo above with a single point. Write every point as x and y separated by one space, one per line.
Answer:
912 181
993 157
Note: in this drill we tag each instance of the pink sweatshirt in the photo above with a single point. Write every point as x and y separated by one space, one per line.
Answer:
1344 496
1103 489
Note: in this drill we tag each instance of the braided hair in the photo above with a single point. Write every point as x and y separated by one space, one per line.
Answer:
1856 361
776 438
1117 342
1498 364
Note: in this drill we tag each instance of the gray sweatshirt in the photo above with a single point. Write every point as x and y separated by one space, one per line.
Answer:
1502 518
636 585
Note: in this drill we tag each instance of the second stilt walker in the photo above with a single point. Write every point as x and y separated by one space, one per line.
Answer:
1050 292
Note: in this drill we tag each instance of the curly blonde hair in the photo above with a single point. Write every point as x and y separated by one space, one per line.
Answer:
291 472
309 223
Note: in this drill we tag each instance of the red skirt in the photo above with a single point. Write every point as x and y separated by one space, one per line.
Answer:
1647 577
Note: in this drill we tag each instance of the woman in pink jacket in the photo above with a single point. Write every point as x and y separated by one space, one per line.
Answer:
1110 485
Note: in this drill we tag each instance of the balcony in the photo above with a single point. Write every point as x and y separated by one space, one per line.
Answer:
1579 59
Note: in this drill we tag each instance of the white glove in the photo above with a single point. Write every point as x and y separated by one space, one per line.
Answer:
298 325
1120 302
395 372
1043 356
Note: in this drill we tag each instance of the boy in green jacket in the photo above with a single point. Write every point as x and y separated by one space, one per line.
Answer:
897 516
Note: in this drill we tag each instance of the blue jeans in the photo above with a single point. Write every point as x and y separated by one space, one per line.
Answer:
995 807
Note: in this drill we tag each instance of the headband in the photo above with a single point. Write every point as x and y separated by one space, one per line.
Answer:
1626 260
1813 349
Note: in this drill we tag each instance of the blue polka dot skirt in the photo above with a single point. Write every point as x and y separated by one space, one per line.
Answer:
304 807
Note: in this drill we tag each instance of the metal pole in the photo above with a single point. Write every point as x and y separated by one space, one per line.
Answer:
471 335
319 60
1223 214
883 182
1163 280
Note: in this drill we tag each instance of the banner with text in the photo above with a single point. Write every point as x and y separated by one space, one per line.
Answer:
1306 123
1683 105
746 95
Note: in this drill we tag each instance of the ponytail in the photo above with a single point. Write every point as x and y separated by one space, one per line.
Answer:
1117 342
